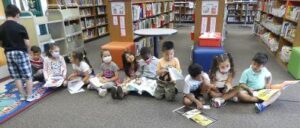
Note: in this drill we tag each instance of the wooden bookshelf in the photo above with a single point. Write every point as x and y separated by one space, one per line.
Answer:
198 18
184 11
159 15
93 16
277 27
240 12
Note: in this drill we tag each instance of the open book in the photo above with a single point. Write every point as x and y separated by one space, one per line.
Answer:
175 74
195 115
144 85
54 82
265 94
96 82
75 86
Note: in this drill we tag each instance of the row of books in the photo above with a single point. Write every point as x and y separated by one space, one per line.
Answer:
89 34
141 11
101 10
293 12
270 41
266 6
279 12
85 2
184 18
87 22
240 7
144 42
86 12
155 22
102 30
288 31
101 21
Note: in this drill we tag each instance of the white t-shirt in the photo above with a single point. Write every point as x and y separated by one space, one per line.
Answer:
221 79
192 84
82 68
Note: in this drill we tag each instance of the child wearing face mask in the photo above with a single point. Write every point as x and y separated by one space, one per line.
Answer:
257 77
54 64
148 63
108 75
81 68
221 75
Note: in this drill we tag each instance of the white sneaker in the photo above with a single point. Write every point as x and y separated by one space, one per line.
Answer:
22 98
102 92
217 102
235 99
89 86
33 97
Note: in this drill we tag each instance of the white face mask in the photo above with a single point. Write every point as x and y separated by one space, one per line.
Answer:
225 70
55 54
107 59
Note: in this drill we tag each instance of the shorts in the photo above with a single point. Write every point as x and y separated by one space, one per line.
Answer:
197 93
19 66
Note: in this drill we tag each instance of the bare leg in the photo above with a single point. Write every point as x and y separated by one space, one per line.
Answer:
187 101
29 87
19 85
272 99
215 94
284 84
232 93
245 97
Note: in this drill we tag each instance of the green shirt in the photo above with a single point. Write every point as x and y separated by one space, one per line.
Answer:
255 80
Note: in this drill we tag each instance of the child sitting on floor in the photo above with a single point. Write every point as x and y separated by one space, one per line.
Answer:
194 86
165 86
258 77
37 61
221 75
55 68
108 74
130 68
148 63
81 68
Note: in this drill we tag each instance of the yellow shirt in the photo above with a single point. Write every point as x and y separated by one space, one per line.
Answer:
163 64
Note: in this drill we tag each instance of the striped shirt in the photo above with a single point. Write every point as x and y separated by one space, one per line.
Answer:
38 64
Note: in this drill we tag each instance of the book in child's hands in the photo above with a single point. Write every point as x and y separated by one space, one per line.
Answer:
265 94
96 82
144 85
175 74
75 86
195 115
54 82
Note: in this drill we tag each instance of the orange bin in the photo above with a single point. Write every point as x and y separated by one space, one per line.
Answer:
209 40
116 50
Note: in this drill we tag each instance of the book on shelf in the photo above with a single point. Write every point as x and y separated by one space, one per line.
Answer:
293 12
144 42
101 31
71 2
100 21
89 34
100 10
99 2
288 30
86 12
85 2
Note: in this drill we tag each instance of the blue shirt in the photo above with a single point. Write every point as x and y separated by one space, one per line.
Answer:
255 80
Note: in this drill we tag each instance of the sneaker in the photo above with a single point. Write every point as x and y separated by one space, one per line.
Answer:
217 102
113 92
89 87
22 98
235 99
33 97
102 92
259 107
120 93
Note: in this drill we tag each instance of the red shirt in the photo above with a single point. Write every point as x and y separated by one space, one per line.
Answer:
37 63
